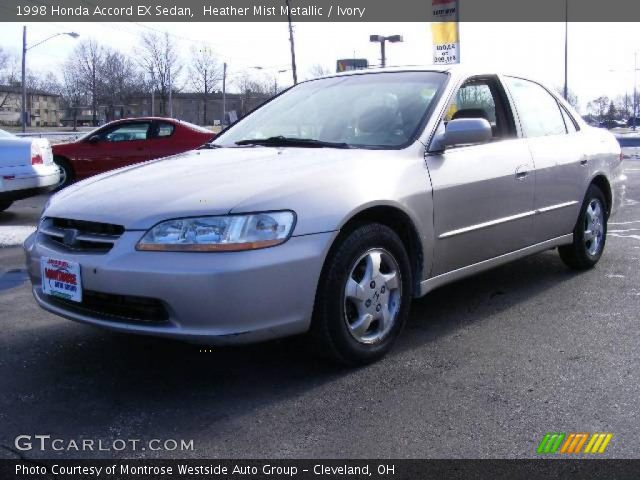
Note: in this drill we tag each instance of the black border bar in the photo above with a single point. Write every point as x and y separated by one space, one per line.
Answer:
317 10
496 469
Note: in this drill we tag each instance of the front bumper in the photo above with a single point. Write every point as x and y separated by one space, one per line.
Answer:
210 298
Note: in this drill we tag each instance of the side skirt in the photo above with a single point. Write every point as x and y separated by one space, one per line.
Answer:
432 283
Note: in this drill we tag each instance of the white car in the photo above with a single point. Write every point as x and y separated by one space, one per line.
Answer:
26 168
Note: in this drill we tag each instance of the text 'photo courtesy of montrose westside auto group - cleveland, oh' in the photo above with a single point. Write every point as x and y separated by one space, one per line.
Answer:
319 239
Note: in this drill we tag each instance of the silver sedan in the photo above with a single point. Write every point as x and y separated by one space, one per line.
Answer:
328 209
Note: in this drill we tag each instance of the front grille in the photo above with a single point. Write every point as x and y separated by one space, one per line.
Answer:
80 235
112 307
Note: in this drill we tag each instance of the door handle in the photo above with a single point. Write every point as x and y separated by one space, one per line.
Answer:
584 161
522 171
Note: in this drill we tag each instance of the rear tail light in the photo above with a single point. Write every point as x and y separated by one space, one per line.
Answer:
36 155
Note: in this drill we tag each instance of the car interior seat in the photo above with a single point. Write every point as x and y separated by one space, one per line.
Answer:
476 113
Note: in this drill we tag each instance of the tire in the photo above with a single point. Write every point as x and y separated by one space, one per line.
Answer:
589 234
67 175
361 326
4 204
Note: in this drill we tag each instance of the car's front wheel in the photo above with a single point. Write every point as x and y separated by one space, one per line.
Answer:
589 234
66 172
363 296
4 204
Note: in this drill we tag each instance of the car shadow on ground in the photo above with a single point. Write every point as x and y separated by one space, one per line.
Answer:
71 373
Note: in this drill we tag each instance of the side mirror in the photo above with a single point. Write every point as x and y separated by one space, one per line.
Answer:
94 138
462 131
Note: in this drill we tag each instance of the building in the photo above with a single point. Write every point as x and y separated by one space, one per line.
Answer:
187 106
43 108
81 116
190 107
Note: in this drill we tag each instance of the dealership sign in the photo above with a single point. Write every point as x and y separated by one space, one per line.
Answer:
348 64
444 32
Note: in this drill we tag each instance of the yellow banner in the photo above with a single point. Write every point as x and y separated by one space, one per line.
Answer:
445 32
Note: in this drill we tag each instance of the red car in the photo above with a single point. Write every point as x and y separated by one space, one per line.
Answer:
124 142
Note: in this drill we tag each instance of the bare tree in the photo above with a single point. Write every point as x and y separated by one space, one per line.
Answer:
88 58
5 60
253 92
159 56
72 90
7 73
624 105
122 80
319 70
49 83
572 97
206 74
599 107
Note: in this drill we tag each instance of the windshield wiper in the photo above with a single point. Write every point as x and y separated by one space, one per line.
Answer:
207 146
292 142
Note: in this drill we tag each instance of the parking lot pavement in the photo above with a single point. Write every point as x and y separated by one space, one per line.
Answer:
20 220
484 368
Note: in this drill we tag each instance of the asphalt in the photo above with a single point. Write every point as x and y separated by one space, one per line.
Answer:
484 369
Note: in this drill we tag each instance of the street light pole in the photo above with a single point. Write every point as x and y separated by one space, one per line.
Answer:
23 113
566 50
383 40
170 93
635 89
224 93
23 109
275 76
293 48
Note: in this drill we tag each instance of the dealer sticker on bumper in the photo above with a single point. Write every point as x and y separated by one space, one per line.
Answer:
61 278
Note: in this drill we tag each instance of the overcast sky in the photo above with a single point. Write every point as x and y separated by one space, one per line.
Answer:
601 55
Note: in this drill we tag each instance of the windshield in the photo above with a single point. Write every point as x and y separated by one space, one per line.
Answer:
381 110
4 134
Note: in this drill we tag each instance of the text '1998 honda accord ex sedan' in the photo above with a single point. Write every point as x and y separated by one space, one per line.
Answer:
327 209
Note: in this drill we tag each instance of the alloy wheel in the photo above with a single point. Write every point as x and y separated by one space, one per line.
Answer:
594 227
372 296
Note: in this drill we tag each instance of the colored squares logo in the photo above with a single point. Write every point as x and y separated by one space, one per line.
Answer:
573 443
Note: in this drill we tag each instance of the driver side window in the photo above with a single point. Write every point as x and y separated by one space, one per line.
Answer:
480 98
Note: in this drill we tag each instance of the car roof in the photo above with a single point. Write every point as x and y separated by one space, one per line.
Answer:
174 121
143 119
453 70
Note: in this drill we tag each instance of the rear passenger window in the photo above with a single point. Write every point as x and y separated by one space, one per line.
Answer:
165 130
539 112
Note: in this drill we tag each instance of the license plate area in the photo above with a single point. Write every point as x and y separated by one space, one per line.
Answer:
61 278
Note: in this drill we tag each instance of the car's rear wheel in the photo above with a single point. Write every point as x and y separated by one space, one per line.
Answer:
66 172
4 204
363 296
589 234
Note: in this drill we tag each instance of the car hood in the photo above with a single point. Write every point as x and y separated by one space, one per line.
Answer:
206 182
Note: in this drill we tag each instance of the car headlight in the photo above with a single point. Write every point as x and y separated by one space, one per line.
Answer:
219 234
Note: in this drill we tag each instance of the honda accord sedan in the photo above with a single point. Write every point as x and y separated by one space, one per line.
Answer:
328 209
